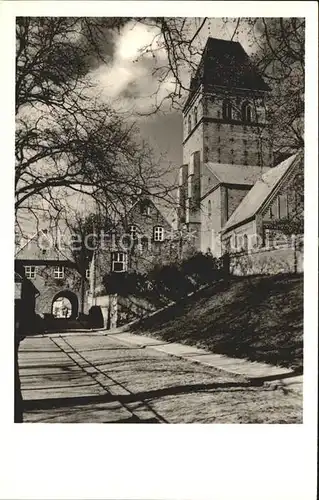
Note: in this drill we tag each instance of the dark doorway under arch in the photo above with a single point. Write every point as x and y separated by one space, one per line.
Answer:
69 308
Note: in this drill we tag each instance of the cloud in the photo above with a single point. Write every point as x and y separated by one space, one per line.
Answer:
128 82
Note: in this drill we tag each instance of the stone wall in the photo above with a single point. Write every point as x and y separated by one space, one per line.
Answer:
275 261
117 310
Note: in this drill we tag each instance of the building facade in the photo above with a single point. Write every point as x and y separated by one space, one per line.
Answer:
226 140
55 276
265 232
142 239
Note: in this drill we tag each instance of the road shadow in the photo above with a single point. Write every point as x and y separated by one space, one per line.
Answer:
49 403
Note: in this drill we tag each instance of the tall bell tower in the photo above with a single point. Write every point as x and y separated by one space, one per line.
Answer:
224 122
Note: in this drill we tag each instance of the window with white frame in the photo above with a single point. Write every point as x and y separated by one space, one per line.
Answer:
133 231
158 233
30 272
119 262
87 273
58 272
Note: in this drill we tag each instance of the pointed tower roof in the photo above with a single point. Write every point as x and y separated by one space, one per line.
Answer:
225 63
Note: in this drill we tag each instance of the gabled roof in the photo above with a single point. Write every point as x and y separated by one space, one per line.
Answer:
33 249
226 173
259 193
148 199
18 278
225 63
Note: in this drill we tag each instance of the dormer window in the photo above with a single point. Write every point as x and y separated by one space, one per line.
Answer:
227 110
145 208
246 112
158 233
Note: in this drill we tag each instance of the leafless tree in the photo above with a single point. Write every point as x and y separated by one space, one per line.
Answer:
278 46
67 139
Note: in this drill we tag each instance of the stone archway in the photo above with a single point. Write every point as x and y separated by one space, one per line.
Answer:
72 298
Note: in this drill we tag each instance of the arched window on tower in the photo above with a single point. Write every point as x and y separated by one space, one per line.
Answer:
195 115
227 110
209 208
189 124
246 113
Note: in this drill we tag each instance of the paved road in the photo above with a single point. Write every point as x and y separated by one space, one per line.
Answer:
94 378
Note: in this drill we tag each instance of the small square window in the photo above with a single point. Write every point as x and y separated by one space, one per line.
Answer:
119 262
30 272
158 233
59 272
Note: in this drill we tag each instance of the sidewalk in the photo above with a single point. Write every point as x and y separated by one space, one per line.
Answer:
257 373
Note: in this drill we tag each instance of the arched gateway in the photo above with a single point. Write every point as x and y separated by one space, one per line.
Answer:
67 308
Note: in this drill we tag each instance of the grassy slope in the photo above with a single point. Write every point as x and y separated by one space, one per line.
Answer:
259 318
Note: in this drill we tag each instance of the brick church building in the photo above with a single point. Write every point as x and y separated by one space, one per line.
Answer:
227 148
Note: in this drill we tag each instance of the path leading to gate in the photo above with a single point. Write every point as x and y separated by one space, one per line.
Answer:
97 378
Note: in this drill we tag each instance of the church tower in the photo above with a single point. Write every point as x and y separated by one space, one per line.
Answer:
226 138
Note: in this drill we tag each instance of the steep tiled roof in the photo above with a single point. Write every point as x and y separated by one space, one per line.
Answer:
225 63
41 247
236 174
259 193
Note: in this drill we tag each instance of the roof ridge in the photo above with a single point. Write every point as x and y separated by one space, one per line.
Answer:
290 162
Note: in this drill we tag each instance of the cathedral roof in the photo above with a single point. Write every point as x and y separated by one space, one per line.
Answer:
225 63
245 175
259 193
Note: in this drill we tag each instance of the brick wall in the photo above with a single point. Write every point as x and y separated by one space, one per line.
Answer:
235 142
144 253
49 287
234 196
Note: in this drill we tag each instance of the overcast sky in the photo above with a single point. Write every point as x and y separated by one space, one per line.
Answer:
126 82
